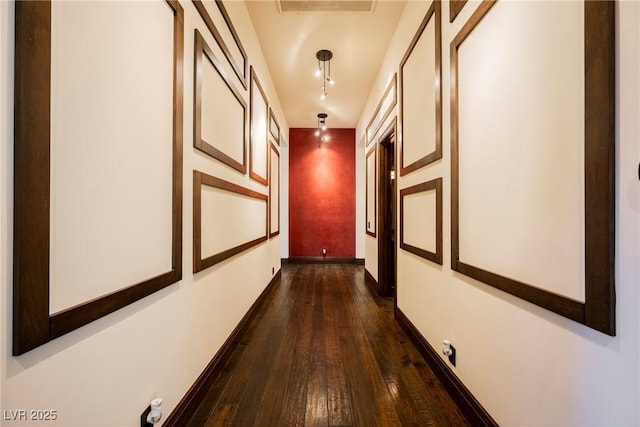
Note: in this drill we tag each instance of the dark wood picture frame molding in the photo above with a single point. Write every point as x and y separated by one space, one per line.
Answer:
201 179
433 185
255 82
274 122
239 70
202 49
434 12
598 310
393 85
273 150
455 6
33 325
368 217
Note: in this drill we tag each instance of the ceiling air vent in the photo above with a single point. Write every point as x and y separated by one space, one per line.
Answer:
299 6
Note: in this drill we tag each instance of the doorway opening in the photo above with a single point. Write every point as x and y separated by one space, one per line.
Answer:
387 215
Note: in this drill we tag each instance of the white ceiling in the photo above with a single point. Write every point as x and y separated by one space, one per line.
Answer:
290 40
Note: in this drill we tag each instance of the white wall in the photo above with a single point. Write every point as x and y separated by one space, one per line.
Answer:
371 255
106 373
527 365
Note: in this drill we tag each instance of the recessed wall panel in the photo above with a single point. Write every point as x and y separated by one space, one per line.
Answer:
522 145
259 125
420 99
274 191
419 114
227 220
224 116
533 156
220 111
421 220
98 161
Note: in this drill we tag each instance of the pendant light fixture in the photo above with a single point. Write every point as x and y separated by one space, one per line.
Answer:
322 127
324 69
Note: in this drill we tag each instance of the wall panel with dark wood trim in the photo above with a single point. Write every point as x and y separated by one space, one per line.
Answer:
94 230
220 111
547 202
274 190
421 220
225 220
259 125
421 95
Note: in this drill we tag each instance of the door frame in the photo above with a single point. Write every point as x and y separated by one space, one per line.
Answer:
387 239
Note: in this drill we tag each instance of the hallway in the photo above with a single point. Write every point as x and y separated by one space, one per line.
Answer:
322 351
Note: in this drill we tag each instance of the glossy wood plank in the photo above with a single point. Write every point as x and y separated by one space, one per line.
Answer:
368 379
338 397
322 351
398 367
317 405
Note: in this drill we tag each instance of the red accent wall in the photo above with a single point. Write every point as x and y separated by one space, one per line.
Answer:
322 193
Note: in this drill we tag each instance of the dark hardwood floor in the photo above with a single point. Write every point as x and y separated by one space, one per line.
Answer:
323 351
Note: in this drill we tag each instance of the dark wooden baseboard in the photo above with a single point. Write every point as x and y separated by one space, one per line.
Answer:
192 399
360 261
372 284
320 260
468 404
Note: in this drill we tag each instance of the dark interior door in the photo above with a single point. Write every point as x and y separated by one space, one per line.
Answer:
387 218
